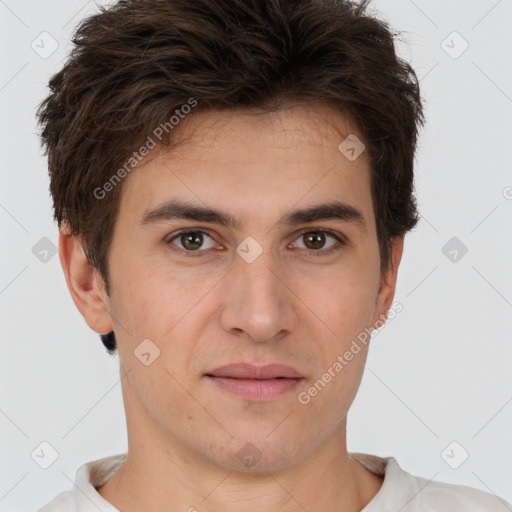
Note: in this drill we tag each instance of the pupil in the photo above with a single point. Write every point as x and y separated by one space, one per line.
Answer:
192 240
317 240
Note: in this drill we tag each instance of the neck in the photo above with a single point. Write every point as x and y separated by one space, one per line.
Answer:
167 477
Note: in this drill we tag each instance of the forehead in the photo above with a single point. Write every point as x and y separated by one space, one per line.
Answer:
249 163
293 133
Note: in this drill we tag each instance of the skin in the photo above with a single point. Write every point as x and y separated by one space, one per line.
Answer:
292 305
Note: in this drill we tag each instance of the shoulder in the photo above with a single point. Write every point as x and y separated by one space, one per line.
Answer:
64 502
84 495
406 492
450 497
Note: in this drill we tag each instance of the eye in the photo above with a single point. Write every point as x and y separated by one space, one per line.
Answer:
315 241
191 241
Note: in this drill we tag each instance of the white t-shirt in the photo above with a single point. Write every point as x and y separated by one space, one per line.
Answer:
400 491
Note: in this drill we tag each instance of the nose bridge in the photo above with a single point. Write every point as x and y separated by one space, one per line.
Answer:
257 271
257 302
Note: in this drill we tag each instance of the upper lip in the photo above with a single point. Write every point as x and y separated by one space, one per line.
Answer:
249 371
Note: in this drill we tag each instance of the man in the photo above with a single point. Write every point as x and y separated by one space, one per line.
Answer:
233 181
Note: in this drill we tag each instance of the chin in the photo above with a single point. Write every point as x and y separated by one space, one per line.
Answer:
255 453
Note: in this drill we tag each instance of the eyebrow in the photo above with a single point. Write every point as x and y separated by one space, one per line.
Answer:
175 209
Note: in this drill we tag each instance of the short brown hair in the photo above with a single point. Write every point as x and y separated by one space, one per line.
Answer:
137 62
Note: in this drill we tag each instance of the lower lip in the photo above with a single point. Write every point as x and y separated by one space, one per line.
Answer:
256 389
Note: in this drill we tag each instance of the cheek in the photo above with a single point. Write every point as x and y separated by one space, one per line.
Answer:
342 301
170 314
328 397
152 300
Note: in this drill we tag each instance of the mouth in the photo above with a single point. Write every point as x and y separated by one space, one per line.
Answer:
255 383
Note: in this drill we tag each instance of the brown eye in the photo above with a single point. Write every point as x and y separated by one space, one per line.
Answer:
191 241
316 241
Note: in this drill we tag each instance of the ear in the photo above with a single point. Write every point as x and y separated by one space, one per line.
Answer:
84 282
388 282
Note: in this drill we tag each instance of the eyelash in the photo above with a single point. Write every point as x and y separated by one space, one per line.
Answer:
314 253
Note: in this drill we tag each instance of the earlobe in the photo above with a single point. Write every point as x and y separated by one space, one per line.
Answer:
84 282
388 282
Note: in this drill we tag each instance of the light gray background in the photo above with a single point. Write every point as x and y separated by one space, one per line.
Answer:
439 372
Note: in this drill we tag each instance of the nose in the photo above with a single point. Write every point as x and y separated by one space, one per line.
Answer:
259 303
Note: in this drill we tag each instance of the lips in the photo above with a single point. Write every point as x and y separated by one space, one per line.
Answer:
249 371
255 383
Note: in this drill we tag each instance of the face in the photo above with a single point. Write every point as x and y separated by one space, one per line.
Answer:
194 294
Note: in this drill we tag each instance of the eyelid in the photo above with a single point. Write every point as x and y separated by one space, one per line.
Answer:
327 231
